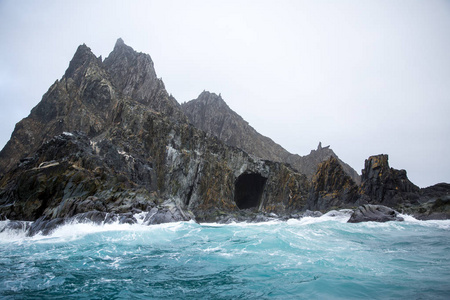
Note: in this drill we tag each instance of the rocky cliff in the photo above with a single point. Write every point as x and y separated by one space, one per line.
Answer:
107 142
88 97
384 185
332 188
210 113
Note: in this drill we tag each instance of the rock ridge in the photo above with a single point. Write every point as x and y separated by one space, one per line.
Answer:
210 113
108 142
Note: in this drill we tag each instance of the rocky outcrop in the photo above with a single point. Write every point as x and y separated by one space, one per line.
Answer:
309 164
107 142
210 113
434 203
135 78
387 186
69 176
89 98
332 188
137 154
374 213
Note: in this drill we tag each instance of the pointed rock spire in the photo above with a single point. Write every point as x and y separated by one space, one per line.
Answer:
122 48
119 42
82 57
133 71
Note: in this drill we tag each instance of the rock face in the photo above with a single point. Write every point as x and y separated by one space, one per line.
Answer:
210 113
70 175
332 188
88 98
375 213
384 185
107 141
434 203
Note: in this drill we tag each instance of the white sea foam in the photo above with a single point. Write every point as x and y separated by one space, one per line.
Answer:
11 235
443 224
76 230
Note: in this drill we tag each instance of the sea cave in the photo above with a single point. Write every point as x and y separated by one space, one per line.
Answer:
248 190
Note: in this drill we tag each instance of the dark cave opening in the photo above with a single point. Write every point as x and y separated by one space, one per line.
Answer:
248 190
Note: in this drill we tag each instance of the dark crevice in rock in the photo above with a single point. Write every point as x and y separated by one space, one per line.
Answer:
191 188
248 190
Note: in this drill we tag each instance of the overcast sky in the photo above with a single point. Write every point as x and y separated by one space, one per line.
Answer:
366 77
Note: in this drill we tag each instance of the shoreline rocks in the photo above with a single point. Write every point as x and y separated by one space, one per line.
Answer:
374 213
108 141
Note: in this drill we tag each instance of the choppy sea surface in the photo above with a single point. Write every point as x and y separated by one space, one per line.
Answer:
311 258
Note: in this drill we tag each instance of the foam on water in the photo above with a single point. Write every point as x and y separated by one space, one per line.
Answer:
310 258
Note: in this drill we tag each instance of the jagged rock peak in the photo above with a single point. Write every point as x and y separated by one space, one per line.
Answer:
319 147
126 57
376 162
119 42
121 47
331 187
134 73
82 57
208 98
209 112
208 94
386 185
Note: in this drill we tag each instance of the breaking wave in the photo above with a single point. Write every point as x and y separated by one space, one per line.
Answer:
309 258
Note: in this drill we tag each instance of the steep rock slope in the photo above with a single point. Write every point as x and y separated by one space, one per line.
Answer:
107 141
381 185
332 188
210 113
137 153
386 185
87 97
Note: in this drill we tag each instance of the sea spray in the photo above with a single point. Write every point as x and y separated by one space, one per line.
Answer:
310 258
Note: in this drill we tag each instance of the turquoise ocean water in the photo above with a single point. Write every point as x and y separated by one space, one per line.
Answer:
311 258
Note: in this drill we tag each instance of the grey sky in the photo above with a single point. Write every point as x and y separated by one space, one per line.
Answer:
366 77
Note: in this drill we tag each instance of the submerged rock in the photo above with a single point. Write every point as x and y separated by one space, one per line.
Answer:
375 213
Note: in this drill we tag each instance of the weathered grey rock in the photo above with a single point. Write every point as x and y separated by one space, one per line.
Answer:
375 213
45 226
210 113
17 226
107 141
164 215
127 218
387 186
434 203
331 187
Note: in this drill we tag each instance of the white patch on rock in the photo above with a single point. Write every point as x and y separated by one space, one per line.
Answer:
95 147
126 155
67 133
